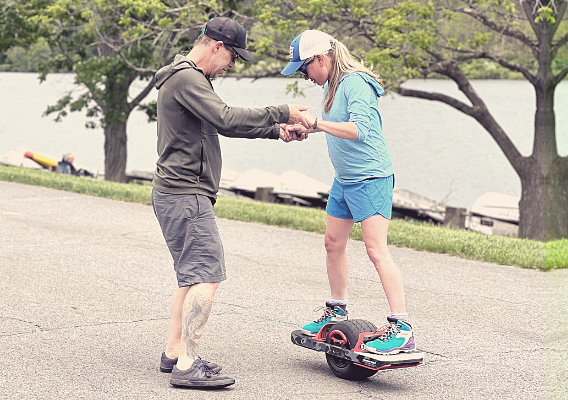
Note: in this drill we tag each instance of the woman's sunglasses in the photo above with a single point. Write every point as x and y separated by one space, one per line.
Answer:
305 66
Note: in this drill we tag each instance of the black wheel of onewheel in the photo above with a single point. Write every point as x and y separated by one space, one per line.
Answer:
350 329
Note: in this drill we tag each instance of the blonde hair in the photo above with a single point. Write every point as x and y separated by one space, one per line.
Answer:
342 62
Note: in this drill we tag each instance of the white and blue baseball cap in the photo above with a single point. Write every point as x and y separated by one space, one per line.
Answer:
306 44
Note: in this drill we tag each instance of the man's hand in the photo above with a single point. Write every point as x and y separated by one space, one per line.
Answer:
296 114
287 136
284 134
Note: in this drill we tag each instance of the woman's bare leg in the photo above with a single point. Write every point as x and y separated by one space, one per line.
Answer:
336 235
375 230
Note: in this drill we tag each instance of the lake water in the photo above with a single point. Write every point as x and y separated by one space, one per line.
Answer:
437 151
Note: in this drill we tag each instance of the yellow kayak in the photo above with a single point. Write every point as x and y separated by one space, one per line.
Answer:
45 162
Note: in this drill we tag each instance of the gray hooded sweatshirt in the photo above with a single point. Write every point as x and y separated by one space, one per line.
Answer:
190 118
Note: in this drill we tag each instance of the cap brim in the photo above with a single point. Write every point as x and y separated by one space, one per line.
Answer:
292 67
245 55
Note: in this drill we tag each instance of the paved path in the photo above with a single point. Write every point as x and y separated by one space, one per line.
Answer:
86 284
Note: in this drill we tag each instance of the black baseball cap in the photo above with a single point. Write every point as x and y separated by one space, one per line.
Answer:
230 32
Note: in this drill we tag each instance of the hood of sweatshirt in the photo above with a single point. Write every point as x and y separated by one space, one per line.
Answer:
378 88
180 63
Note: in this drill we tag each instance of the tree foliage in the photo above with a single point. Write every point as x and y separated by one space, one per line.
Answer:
404 39
15 29
22 59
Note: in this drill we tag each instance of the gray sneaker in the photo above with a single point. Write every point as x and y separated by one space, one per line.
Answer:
199 375
167 364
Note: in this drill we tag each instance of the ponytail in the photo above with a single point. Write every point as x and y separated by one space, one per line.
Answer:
342 62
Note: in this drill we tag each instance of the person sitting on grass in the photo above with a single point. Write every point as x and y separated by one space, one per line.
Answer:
65 166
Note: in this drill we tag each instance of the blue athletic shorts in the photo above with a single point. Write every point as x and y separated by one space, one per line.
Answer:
361 200
189 227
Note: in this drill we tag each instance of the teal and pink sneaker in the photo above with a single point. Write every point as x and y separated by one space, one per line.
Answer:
397 338
331 313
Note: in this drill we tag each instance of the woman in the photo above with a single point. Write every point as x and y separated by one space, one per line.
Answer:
363 185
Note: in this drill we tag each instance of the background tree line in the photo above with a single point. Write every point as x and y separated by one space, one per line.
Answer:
110 43
26 57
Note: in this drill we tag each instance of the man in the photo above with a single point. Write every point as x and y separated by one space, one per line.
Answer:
190 118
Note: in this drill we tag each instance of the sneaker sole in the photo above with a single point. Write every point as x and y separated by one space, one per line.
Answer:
169 370
305 332
210 384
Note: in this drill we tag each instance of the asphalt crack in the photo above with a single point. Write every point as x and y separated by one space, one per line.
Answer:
44 329
41 329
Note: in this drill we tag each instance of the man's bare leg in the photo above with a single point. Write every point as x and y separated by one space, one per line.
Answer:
174 338
195 313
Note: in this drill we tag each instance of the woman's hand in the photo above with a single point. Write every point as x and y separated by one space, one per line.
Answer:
309 121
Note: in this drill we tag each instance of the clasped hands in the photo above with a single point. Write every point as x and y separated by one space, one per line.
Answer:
300 123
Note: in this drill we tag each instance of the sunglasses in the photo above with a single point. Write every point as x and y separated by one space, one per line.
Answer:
305 66
234 54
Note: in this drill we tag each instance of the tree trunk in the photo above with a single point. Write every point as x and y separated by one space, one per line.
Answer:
531 206
116 110
556 167
557 199
556 170
115 152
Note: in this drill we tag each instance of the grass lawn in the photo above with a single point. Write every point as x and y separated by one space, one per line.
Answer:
557 254
416 235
